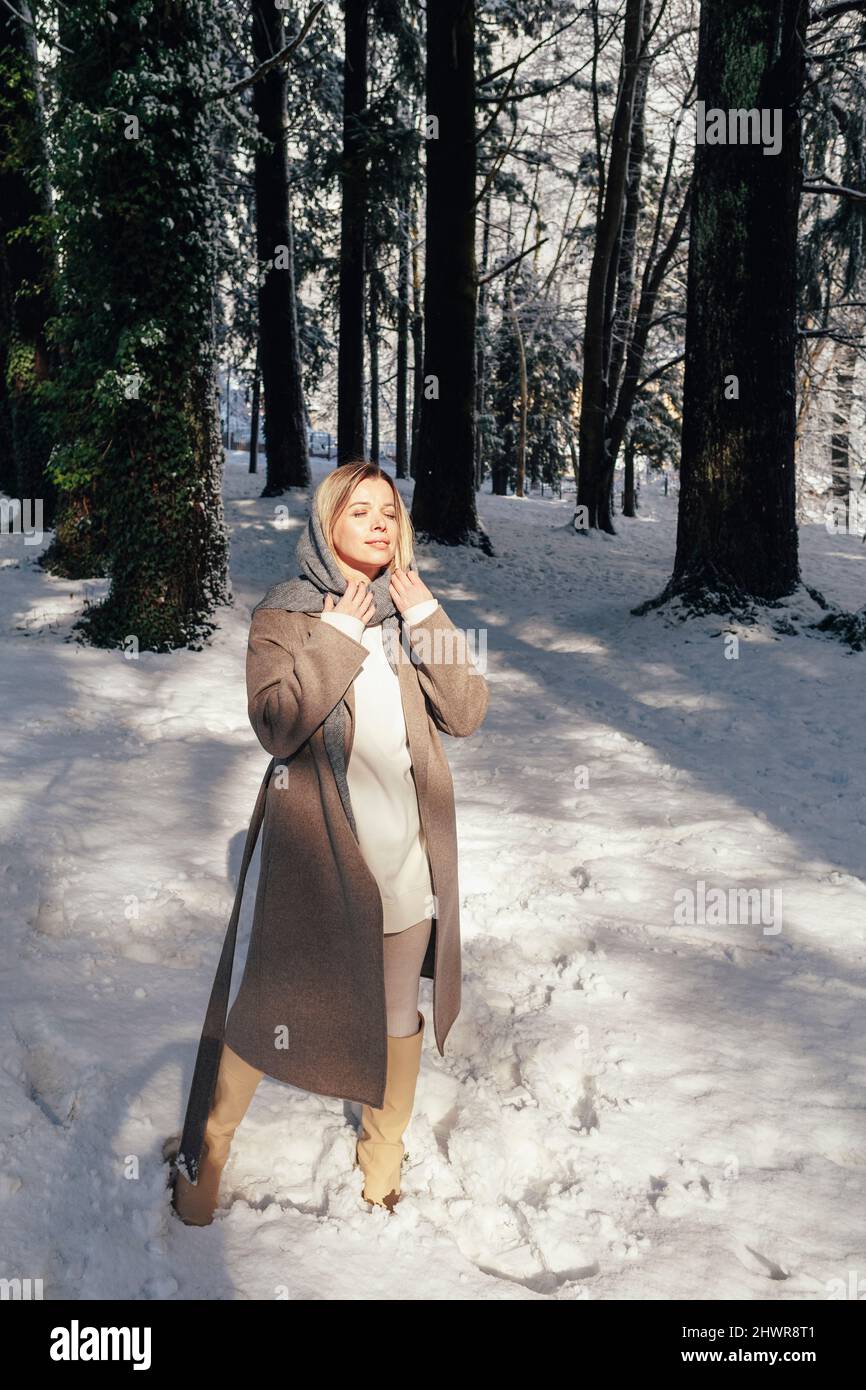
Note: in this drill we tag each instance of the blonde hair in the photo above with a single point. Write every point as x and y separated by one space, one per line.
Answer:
333 494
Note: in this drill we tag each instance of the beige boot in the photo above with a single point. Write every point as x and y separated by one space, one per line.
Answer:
235 1087
379 1150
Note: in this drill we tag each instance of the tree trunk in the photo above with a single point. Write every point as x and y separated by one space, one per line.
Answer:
595 469
481 348
136 380
280 355
652 280
401 462
28 267
417 325
623 317
523 401
353 225
629 498
737 534
375 441
443 505
840 440
254 417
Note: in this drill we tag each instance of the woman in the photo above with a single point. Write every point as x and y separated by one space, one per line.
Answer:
352 670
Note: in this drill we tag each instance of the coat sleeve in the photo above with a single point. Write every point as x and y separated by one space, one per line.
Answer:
292 684
456 691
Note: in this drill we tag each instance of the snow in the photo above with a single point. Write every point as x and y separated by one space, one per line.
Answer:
628 1108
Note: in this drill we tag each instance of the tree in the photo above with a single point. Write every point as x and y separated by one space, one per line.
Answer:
353 218
404 309
737 536
279 356
137 213
596 468
443 506
28 267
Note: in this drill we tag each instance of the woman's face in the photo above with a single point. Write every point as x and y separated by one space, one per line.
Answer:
364 537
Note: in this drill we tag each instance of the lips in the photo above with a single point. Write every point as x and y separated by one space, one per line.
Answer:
383 545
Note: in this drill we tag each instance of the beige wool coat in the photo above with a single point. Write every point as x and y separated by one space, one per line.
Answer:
311 1004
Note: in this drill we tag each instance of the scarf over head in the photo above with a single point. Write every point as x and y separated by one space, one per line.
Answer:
319 574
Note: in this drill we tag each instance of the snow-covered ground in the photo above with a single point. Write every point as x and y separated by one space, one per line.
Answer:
630 1105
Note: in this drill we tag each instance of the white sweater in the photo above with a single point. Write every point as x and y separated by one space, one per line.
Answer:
381 787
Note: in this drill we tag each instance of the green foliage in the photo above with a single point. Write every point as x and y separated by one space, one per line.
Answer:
134 126
27 272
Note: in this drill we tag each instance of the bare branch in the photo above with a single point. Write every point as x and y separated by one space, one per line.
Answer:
482 134
837 189
492 76
281 57
30 23
830 333
659 371
497 165
841 7
500 270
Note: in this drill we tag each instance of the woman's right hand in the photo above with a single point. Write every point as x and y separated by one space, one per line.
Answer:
357 601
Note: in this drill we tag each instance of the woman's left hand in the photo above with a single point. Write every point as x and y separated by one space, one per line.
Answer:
407 588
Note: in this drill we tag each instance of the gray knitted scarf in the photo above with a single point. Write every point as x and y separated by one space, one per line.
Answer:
320 575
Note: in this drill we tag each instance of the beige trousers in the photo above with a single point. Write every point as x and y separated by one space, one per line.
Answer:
404 956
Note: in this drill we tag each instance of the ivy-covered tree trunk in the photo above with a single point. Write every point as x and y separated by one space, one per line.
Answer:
28 268
280 357
737 534
353 231
138 217
443 505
